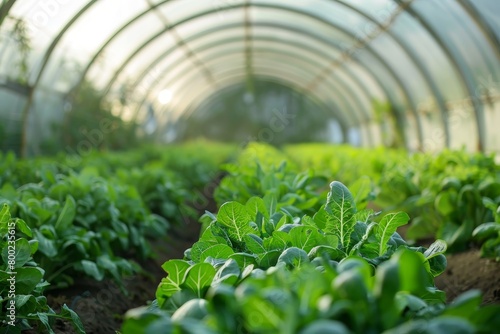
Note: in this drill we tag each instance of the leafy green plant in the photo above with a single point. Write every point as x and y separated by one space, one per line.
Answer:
22 283
488 234
349 297
257 270
85 224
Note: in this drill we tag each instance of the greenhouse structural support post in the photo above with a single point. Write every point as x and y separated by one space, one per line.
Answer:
40 72
463 71
5 9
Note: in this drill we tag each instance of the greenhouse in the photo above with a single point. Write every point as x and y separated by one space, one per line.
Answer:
250 166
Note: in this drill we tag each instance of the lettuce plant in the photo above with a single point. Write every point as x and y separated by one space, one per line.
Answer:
22 283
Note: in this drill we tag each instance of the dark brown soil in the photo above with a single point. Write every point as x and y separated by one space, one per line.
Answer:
466 271
101 305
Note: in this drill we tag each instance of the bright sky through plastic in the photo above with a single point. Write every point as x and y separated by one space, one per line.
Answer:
165 96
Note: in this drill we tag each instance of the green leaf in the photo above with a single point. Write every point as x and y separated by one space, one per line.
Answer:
254 244
293 257
220 251
305 237
341 208
362 190
75 319
199 247
268 314
255 205
486 231
324 326
44 319
194 309
235 217
279 240
4 215
23 227
386 228
445 203
22 253
45 245
368 232
176 271
27 279
269 259
438 247
199 277
333 253
227 274
90 268
271 202
244 259
67 214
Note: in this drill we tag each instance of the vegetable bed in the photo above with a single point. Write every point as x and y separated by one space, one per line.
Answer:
110 235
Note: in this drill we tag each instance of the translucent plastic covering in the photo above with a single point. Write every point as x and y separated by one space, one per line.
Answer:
427 69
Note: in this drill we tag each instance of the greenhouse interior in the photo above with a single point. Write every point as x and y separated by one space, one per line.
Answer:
250 166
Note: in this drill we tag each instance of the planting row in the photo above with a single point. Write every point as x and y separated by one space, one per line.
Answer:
453 195
94 219
263 265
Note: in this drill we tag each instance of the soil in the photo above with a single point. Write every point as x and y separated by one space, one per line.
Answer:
466 271
101 305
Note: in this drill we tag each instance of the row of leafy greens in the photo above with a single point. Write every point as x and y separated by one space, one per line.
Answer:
260 269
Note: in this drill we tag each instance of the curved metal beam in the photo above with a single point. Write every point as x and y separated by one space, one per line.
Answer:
277 65
270 72
483 24
461 67
324 41
271 66
399 81
235 78
319 52
5 9
91 62
300 45
409 50
307 63
38 76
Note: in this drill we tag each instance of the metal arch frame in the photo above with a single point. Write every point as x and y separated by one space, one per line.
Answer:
352 76
408 97
111 38
234 80
339 116
271 68
460 67
294 44
5 9
274 73
472 37
306 61
483 24
45 60
353 120
287 28
418 63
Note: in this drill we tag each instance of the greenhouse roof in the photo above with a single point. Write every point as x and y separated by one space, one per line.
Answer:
435 61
